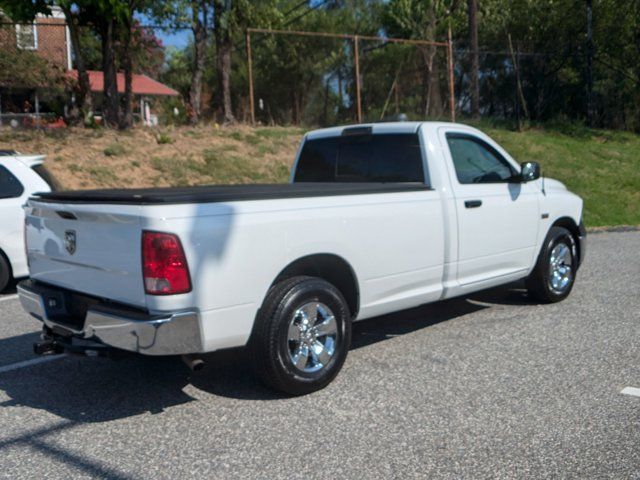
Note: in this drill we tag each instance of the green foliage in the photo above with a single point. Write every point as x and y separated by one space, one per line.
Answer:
25 69
163 139
114 150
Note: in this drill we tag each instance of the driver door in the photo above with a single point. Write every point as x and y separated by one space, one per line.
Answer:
497 216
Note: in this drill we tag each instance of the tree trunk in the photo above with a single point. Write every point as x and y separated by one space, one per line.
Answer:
475 61
590 55
84 99
224 81
126 119
110 107
199 27
223 52
325 105
431 88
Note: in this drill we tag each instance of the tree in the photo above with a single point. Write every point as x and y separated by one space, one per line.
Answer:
200 18
27 10
475 61
223 22
83 99
422 19
196 15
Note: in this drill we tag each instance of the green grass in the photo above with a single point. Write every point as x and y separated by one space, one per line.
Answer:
603 167
163 139
278 133
114 150
104 175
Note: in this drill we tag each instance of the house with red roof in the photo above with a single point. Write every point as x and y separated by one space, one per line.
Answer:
48 37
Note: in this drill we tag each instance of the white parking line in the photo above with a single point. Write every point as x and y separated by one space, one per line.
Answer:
29 363
631 391
9 297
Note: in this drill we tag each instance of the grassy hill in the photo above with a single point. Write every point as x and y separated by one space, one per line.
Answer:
602 166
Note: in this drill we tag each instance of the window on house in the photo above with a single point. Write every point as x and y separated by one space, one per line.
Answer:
27 37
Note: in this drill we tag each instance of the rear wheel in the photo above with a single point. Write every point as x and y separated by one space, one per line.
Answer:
5 272
302 335
554 274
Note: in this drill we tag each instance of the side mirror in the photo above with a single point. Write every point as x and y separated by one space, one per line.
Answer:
529 172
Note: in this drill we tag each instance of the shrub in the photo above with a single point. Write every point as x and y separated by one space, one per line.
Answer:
114 150
163 139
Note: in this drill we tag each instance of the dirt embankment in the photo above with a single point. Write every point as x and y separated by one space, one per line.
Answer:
84 158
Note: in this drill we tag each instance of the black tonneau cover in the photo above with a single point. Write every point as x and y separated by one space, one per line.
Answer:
223 193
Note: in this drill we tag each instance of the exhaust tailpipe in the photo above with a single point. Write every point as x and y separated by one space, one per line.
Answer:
195 364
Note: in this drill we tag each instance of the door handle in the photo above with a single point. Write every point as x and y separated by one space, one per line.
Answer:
472 203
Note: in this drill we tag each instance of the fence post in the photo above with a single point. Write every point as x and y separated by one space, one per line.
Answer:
452 93
356 60
252 107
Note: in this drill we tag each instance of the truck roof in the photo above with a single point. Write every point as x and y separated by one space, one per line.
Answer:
376 128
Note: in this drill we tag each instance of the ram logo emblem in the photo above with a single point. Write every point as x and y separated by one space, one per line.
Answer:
70 241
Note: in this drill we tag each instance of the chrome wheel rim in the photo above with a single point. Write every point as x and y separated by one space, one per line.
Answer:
560 268
312 337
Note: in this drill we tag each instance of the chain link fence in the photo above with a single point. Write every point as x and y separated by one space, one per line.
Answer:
312 79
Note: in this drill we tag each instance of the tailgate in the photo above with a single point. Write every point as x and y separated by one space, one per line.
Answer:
93 249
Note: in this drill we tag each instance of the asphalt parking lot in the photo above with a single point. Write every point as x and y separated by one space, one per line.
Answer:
488 386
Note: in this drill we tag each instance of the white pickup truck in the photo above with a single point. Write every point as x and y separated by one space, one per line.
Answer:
377 218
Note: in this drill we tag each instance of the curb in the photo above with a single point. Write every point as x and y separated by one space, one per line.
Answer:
614 228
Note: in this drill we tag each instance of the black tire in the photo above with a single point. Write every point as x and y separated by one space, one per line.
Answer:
271 349
5 272
539 283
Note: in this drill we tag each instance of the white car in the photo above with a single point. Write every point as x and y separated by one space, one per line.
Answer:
21 176
377 218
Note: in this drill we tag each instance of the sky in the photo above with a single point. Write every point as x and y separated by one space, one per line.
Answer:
180 39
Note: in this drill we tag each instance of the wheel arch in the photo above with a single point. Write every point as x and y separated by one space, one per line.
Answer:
570 224
330 267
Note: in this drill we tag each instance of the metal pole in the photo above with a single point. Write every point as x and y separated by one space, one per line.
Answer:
252 107
356 60
452 93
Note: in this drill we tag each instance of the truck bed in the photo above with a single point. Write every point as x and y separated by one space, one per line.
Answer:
222 193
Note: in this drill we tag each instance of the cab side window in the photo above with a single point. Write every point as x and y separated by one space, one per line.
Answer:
475 161
10 187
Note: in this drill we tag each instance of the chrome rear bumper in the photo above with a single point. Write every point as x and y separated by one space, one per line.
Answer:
135 331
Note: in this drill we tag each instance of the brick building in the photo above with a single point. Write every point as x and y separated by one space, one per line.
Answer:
48 37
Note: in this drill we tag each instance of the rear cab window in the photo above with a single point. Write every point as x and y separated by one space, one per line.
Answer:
374 158
10 186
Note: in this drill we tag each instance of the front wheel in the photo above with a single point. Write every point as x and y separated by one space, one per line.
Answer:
554 274
302 335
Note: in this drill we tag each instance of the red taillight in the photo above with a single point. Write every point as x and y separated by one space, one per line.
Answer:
164 264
